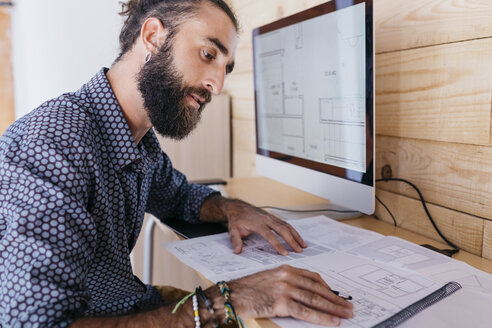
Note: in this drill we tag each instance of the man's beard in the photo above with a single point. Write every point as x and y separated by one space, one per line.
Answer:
165 95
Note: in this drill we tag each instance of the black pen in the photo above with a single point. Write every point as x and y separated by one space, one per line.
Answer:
342 295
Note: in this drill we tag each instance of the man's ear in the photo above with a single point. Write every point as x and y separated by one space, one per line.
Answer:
152 34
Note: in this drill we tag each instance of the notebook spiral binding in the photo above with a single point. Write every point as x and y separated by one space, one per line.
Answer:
419 306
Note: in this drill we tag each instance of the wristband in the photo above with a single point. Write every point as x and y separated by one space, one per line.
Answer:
231 318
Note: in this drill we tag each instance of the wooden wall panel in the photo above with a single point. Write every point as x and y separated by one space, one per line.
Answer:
452 175
399 24
242 108
6 76
244 141
241 84
436 93
487 240
462 229
404 24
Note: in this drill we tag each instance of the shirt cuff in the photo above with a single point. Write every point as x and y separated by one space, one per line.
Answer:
197 195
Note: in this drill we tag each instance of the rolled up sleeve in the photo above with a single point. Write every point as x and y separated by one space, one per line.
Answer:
172 196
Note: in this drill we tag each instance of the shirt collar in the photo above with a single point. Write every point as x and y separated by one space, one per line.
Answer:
113 127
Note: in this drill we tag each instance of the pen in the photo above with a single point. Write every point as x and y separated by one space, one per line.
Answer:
342 295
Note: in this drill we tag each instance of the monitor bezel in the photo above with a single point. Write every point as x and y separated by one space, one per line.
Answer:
337 176
319 10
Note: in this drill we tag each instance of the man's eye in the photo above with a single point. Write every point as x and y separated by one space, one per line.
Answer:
208 55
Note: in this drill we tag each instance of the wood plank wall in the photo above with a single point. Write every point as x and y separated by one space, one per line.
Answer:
433 110
6 76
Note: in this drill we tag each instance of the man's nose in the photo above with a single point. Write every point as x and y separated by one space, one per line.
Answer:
215 81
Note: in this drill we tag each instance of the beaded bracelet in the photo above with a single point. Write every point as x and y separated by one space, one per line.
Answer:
195 311
199 291
230 313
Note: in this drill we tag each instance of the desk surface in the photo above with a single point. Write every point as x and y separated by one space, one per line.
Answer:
261 191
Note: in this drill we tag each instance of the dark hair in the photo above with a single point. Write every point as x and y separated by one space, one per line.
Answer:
172 14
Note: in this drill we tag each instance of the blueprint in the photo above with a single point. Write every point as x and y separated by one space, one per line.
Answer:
382 274
311 89
378 291
214 258
401 253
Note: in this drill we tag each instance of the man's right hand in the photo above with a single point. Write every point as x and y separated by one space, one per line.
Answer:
288 291
282 292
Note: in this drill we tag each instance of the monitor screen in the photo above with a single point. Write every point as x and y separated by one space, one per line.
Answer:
314 99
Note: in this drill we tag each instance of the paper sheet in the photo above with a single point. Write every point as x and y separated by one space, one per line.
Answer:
378 291
382 274
401 253
465 308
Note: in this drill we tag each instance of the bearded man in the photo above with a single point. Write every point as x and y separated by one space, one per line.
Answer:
79 172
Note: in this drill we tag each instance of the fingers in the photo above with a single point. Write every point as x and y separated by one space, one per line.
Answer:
312 300
317 302
288 291
289 234
309 288
236 240
300 311
316 277
244 219
272 239
313 283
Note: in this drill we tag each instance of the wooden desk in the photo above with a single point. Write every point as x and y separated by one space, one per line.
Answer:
261 191
265 192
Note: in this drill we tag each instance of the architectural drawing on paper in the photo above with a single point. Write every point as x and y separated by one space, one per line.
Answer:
367 306
366 310
213 259
384 281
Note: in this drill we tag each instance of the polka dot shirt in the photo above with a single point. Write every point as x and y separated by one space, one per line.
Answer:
74 188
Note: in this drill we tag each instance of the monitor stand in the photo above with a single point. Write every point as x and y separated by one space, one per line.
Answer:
330 210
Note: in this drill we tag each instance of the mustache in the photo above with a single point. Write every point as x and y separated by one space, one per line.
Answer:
201 92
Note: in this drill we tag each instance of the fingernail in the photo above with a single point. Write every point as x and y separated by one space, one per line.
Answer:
335 321
348 313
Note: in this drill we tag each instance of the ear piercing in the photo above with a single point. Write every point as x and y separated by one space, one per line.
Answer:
148 56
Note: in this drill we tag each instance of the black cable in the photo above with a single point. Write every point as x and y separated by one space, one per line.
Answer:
307 211
387 209
455 248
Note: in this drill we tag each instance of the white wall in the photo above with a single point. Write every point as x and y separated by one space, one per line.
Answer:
58 45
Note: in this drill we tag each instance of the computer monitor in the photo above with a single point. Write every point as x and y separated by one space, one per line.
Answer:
314 99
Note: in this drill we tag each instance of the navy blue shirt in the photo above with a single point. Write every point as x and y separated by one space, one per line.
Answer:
74 188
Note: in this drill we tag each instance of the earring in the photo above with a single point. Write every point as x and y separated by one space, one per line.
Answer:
148 56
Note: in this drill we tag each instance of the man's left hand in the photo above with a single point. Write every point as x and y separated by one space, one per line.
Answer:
244 219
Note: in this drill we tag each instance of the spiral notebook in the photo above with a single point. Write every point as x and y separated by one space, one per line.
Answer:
419 306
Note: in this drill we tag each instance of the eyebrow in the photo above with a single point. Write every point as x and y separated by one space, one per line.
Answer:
223 50
219 45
